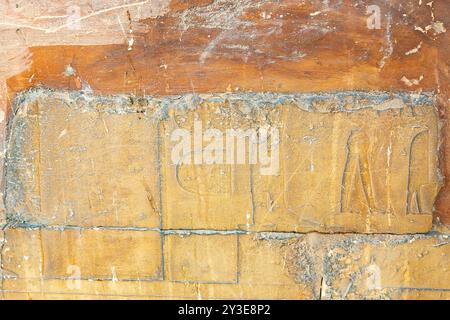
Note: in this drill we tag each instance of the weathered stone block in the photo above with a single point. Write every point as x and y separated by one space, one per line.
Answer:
267 259
74 161
201 195
359 163
384 267
83 254
21 254
201 258
347 162
105 254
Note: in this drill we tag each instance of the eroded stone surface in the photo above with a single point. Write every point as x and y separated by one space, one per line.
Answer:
220 266
2 217
358 162
83 254
216 265
363 171
71 165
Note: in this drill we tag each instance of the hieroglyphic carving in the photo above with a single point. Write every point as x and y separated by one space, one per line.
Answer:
418 175
366 170
348 162
199 193
357 195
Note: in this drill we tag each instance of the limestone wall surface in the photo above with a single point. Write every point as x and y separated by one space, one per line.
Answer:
216 149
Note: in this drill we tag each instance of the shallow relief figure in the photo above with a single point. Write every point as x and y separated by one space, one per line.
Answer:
357 191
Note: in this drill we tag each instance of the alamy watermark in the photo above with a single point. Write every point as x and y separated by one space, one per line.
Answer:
73 18
374 19
74 279
255 146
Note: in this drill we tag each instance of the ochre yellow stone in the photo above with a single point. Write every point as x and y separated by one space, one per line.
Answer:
201 258
349 163
241 266
363 171
97 207
83 254
83 167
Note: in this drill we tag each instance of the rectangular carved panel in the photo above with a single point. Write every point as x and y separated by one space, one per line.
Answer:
347 162
201 195
365 169
75 162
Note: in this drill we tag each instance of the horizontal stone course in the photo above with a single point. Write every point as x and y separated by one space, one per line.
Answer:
343 162
235 265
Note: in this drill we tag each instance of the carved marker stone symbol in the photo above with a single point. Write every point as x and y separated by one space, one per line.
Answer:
357 195
418 174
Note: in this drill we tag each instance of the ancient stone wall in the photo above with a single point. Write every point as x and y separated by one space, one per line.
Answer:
225 149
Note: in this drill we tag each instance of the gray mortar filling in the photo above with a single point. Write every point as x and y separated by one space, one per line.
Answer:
161 105
157 109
